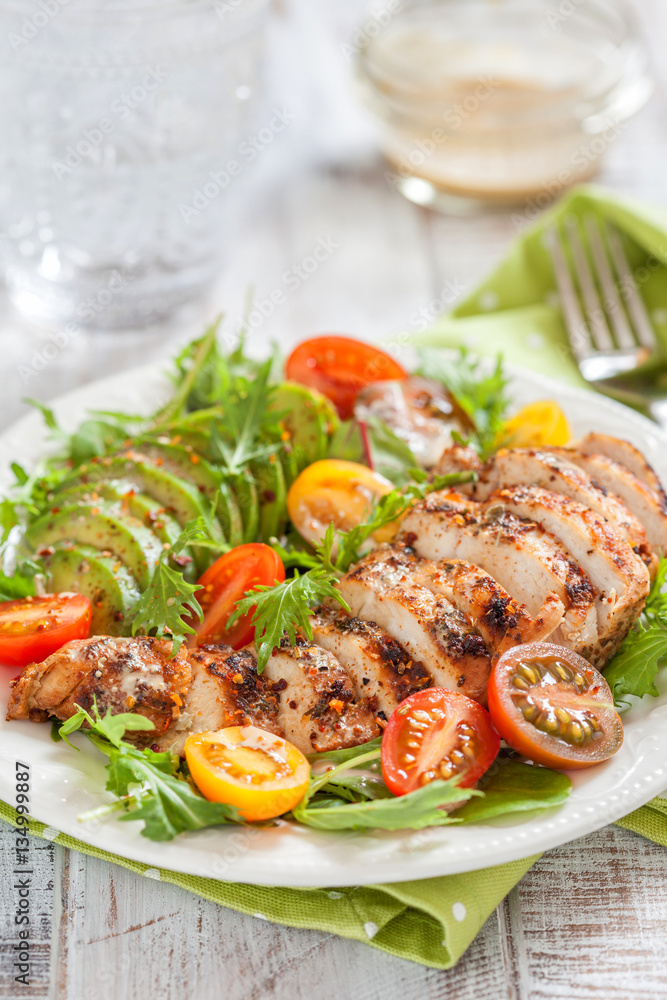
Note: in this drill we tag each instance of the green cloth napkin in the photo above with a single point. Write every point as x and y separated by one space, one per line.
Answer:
433 921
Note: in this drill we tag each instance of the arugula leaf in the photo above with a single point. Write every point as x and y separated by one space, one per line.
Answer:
47 414
387 453
643 652
483 396
147 784
169 598
512 786
20 584
281 609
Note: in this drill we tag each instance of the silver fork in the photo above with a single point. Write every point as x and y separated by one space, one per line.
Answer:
609 329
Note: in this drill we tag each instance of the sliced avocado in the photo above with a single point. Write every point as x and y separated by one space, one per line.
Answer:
184 462
105 527
308 417
179 498
143 507
272 495
105 581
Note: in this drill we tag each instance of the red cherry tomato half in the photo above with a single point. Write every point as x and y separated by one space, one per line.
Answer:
340 367
34 627
437 733
553 707
225 582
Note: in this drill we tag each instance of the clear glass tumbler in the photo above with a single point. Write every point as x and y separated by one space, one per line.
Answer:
127 128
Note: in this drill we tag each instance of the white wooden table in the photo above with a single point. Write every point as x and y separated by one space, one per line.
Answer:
589 919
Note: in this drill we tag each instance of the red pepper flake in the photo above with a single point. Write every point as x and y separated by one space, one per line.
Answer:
177 699
337 705
195 459
130 701
237 678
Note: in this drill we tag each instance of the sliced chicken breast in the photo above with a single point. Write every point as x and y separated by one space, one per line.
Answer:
499 619
459 458
525 560
553 471
382 588
316 707
382 671
625 454
621 580
123 675
642 500
225 691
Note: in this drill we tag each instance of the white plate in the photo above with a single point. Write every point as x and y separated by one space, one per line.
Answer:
65 784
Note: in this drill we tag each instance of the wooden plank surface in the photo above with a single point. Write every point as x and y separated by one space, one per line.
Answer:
588 921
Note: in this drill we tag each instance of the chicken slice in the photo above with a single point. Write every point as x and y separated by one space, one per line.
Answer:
316 707
621 580
552 471
381 670
526 561
225 691
641 499
499 619
122 675
625 454
459 458
382 588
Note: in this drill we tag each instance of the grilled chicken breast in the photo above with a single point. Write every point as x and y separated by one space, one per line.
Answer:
647 505
524 559
625 454
382 672
499 619
225 691
553 471
620 579
382 588
316 707
123 675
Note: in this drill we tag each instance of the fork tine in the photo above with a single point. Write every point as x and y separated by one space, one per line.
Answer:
594 308
577 329
613 303
636 308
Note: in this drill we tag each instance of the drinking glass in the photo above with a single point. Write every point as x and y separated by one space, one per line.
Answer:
127 130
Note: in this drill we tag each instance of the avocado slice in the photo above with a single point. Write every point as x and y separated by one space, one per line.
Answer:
179 498
183 461
103 579
309 418
140 506
105 527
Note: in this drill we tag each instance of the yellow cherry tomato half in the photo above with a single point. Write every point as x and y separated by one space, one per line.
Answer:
258 772
535 426
337 491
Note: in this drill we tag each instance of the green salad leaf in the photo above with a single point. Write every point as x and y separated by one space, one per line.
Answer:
481 394
169 598
643 652
146 783
511 786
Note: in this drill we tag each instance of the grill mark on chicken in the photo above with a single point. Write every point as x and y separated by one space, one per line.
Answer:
626 455
554 470
382 672
527 562
644 502
119 674
225 691
620 579
382 588
316 707
501 620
